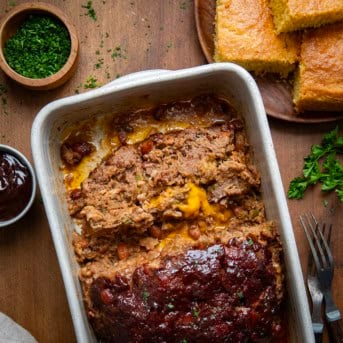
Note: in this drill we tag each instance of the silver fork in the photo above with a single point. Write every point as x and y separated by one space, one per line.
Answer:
316 297
324 265
317 301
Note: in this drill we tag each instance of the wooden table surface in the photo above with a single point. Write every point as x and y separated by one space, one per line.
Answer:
149 34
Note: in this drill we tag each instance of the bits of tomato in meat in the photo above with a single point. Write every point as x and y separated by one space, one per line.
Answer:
146 147
72 154
106 296
122 251
75 194
155 231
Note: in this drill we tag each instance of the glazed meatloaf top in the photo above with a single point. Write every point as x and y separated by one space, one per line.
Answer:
174 243
223 293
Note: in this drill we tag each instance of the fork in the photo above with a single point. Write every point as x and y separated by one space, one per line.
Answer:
324 265
317 300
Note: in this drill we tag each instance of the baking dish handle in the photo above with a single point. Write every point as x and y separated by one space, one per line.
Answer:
135 76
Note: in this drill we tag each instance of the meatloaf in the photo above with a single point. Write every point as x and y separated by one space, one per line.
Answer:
174 243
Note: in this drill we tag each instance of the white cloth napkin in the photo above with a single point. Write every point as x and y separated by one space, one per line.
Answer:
11 332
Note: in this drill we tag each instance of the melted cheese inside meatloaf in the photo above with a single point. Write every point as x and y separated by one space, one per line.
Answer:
174 246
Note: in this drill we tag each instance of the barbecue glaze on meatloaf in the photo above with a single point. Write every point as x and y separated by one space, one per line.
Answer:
223 293
174 243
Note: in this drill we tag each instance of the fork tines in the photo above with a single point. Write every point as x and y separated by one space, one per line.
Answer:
318 243
323 261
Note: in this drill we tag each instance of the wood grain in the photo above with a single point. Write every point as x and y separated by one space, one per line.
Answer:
276 93
150 35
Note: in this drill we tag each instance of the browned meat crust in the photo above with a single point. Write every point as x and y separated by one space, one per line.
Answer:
73 153
224 293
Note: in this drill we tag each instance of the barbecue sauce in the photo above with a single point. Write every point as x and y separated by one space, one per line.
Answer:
223 293
15 186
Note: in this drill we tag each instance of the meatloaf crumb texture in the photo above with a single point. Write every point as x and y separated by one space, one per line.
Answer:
174 243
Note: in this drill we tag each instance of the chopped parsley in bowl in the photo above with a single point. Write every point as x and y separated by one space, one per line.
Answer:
38 46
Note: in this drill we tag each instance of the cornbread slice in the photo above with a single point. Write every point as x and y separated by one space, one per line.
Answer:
291 15
245 35
319 81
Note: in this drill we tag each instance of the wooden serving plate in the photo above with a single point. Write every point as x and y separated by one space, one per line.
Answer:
276 93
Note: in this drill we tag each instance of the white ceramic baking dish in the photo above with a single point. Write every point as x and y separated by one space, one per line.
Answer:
145 89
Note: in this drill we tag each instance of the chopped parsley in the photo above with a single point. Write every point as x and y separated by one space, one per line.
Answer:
108 75
250 241
183 5
3 92
91 82
77 89
39 48
196 312
329 172
145 295
118 52
99 64
170 306
90 10
240 296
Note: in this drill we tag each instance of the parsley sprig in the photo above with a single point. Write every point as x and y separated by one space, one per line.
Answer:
321 166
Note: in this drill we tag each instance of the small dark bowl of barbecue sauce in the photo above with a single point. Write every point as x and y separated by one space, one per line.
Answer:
17 185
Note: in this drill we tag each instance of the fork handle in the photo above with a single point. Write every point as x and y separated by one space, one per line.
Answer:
335 331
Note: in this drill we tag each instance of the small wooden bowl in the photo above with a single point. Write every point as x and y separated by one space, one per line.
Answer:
9 26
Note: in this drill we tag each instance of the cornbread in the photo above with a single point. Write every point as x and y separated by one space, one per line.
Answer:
291 15
175 245
245 35
319 81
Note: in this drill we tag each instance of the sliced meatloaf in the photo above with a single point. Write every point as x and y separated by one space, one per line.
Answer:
141 184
